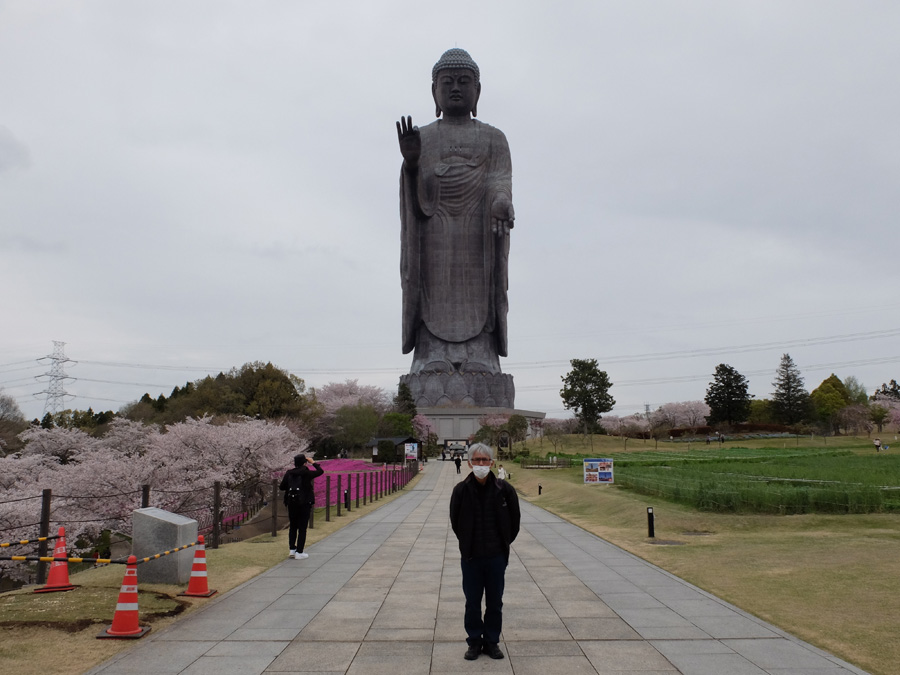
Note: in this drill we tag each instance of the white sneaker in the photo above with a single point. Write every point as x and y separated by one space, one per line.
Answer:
301 556
292 553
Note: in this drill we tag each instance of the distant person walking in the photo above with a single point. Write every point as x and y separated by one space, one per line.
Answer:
484 514
458 462
299 497
877 443
501 473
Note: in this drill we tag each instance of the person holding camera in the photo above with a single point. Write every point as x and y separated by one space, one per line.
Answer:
299 497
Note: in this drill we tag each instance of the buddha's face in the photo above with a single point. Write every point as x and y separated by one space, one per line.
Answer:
456 92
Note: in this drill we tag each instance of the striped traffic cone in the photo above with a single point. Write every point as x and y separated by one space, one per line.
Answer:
198 585
58 578
125 620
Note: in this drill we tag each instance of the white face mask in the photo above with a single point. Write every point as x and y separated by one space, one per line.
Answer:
481 471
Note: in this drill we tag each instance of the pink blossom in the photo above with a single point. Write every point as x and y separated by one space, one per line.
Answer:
336 395
96 483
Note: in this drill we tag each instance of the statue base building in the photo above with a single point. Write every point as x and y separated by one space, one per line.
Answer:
434 389
455 425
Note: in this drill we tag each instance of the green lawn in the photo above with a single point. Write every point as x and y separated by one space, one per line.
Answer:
829 579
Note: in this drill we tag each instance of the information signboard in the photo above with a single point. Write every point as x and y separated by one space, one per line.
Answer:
598 471
412 451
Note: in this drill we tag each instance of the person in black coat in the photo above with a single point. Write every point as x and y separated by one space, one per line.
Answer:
299 497
485 516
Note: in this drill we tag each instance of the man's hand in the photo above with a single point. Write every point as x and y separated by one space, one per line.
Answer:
410 142
503 216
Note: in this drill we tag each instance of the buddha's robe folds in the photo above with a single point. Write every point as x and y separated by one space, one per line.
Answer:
453 268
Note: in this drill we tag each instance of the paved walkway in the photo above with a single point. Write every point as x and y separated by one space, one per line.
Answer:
383 596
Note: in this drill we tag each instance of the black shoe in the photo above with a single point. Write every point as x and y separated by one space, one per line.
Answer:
472 652
493 650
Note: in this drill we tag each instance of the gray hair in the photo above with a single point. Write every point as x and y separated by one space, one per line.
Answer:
481 449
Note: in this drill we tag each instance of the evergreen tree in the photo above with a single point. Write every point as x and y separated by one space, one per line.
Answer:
403 401
728 396
395 424
828 399
790 400
586 391
835 382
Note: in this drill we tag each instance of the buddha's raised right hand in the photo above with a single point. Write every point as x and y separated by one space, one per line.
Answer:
410 142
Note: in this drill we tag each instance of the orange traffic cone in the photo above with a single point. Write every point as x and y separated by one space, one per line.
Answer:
198 586
125 620
58 578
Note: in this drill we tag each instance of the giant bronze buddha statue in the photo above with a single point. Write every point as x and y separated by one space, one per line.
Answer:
456 213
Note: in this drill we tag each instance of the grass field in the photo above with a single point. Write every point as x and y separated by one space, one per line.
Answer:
829 579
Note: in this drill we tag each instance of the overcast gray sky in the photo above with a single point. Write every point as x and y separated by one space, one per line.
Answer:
188 186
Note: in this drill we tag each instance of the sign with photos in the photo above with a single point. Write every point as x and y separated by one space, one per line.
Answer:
412 451
598 471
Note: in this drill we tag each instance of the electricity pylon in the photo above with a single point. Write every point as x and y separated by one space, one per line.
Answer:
56 393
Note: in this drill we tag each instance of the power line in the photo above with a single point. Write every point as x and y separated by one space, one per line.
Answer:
148 366
756 320
524 365
34 365
128 384
720 351
21 379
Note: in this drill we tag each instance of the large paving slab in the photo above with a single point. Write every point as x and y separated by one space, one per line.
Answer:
383 596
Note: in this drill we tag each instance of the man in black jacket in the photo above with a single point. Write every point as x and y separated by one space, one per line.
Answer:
484 514
299 497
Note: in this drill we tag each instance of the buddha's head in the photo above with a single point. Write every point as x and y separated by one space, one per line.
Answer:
455 84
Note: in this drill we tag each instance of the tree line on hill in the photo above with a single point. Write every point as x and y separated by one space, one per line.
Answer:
835 406
346 415
338 416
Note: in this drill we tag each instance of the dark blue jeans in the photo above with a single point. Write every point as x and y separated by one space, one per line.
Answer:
484 577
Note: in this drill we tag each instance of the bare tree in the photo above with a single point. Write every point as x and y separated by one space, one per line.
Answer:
9 409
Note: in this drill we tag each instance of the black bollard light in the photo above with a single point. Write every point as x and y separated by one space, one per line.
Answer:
347 499
540 487
650 529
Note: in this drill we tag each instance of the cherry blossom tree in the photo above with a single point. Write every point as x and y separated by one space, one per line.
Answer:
894 417
426 432
423 426
627 426
96 482
336 395
685 414
60 443
855 418
491 427
614 425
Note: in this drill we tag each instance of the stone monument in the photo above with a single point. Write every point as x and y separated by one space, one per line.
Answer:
155 530
456 214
